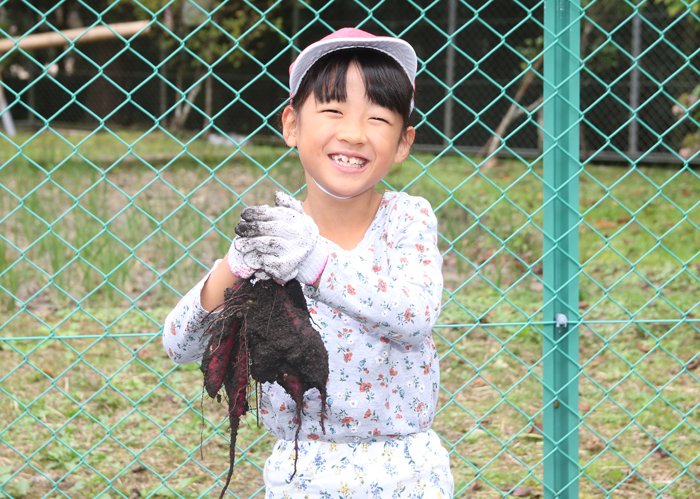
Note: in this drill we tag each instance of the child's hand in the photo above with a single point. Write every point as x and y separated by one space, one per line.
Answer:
282 241
236 263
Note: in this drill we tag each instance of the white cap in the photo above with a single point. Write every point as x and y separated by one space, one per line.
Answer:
347 38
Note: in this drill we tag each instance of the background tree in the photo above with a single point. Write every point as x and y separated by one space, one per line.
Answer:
591 41
189 37
687 108
195 36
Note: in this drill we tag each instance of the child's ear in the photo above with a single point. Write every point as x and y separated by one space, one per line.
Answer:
289 126
405 143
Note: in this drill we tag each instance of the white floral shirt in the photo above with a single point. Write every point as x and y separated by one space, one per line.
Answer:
374 308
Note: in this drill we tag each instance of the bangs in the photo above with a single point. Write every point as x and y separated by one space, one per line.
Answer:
386 83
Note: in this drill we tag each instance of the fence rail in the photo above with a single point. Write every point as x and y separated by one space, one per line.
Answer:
568 337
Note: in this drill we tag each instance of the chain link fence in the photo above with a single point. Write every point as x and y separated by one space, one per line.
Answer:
568 336
485 56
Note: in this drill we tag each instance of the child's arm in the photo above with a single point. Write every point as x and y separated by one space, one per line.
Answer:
397 297
220 278
184 330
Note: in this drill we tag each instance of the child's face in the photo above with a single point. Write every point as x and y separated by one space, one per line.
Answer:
347 147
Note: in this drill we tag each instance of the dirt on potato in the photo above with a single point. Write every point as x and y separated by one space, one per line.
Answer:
264 331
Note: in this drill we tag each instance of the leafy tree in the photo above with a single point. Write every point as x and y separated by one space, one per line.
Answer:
687 107
197 35
593 41
675 7
193 36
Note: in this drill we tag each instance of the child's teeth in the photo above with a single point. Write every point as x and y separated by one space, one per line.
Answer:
341 158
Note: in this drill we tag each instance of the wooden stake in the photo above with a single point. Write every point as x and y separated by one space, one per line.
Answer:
7 121
78 35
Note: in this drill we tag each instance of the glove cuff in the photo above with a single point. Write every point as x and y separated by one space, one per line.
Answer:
236 264
314 265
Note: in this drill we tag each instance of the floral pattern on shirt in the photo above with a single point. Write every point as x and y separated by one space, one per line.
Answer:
185 326
411 467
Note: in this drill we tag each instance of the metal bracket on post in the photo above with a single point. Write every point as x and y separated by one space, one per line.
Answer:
561 320
561 165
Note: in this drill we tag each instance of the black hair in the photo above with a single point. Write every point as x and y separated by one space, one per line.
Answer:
386 83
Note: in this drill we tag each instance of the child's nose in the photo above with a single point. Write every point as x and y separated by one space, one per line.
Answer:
352 132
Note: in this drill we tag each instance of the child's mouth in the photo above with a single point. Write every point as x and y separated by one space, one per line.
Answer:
348 162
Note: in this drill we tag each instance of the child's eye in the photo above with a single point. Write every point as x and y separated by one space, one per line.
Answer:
381 119
334 111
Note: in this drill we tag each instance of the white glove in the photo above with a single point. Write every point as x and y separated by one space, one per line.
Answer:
237 264
282 241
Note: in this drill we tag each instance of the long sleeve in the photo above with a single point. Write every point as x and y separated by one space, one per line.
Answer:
394 286
184 328
374 308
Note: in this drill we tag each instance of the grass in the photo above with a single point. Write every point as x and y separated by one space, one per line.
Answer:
96 251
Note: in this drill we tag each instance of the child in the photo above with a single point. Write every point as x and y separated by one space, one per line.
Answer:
371 274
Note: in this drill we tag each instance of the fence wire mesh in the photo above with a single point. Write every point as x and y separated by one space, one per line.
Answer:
125 162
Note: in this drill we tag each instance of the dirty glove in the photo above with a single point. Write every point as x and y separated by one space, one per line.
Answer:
237 264
282 241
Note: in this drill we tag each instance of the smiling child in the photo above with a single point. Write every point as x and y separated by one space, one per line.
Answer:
371 273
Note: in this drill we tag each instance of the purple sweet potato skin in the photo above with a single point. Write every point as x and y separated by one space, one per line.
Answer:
272 322
217 355
236 385
264 331
219 358
285 348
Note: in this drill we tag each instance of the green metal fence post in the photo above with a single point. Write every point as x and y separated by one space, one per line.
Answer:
561 261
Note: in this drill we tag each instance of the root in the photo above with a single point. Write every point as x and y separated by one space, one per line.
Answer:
323 411
296 441
231 453
268 343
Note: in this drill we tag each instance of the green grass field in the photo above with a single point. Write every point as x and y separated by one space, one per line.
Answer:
94 256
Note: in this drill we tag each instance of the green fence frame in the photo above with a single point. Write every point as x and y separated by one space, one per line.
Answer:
561 260
560 320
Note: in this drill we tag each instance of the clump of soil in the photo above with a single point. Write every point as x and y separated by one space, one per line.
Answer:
264 332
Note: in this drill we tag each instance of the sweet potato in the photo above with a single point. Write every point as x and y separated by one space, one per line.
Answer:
217 355
236 385
264 331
